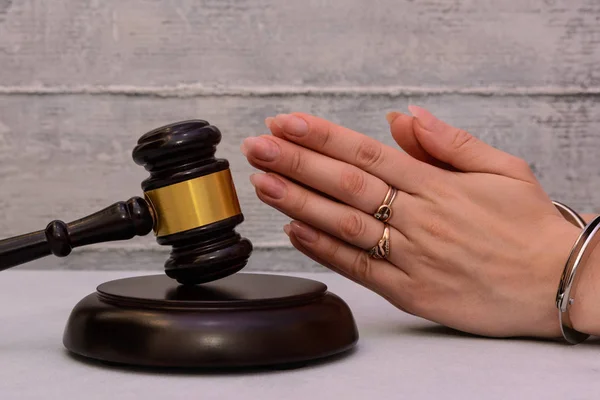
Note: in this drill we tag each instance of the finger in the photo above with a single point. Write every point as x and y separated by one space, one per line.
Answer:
465 152
401 128
389 164
377 275
298 245
337 179
288 231
251 161
337 219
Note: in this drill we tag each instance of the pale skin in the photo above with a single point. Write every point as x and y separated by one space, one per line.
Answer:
476 244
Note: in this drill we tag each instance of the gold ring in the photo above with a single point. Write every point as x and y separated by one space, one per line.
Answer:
382 248
384 212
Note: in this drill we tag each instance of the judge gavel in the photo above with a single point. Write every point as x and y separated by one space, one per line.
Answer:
189 202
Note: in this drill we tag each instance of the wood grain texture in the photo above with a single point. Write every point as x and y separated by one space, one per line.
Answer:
52 168
297 43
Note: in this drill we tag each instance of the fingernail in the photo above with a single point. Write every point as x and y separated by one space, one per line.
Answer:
391 116
280 119
261 148
291 124
286 229
244 149
424 117
304 232
269 121
268 185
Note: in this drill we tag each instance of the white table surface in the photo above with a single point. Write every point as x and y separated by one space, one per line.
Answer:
398 356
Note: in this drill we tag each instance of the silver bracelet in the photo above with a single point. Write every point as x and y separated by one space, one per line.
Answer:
570 215
579 255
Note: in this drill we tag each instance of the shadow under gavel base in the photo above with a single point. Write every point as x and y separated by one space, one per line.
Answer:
244 320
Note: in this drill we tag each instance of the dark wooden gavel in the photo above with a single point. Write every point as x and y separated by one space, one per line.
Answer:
189 201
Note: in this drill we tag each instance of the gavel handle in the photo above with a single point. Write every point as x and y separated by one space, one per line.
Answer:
120 221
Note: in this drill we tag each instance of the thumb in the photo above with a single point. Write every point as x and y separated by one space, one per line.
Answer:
402 130
464 151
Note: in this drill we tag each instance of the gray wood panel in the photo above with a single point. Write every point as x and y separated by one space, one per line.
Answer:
67 156
267 43
153 259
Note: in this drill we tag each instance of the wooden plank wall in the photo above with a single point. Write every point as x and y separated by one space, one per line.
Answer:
81 81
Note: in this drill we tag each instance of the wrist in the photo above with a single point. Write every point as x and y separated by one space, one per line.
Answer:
584 311
552 257
588 217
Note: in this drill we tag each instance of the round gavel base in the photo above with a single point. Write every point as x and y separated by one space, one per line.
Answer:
244 320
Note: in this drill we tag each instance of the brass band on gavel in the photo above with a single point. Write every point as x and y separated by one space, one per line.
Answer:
193 203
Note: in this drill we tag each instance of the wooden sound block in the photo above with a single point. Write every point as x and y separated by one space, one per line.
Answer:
243 320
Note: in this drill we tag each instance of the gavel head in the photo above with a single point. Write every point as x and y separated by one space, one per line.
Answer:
193 201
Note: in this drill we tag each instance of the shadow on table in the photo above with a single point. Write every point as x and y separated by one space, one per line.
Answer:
437 331
432 330
210 371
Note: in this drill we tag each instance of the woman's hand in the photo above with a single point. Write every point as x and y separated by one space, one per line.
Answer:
475 242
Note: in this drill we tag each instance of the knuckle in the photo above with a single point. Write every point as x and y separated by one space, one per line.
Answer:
436 229
351 226
353 182
331 251
324 137
361 266
369 154
462 139
300 202
297 163
520 164
442 190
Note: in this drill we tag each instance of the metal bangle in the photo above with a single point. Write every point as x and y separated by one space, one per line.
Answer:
570 215
580 253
